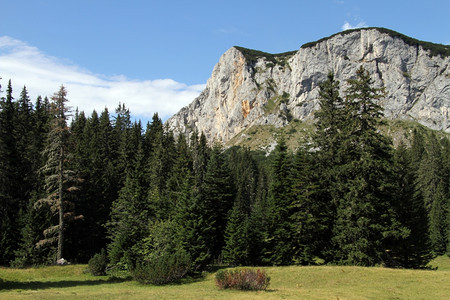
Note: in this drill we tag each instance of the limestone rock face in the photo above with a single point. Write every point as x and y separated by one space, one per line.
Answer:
249 88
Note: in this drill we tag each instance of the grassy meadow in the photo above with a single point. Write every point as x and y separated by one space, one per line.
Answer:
293 282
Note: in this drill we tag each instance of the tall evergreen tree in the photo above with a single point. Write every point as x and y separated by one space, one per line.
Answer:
59 179
130 216
193 229
258 222
9 178
311 213
365 215
236 250
432 184
280 249
413 249
218 197
327 159
238 245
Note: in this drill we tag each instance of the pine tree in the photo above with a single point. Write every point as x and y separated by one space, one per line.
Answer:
432 184
9 178
280 248
59 180
236 250
218 197
365 216
258 222
193 229
130 216
238 234
412 250
34 221
310 213
327 158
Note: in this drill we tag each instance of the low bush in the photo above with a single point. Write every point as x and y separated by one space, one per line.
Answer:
97 264
242 279
164 269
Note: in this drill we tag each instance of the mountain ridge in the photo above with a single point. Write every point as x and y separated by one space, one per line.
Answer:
251 87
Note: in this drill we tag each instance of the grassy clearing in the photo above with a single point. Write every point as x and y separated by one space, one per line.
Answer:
260 137
324 282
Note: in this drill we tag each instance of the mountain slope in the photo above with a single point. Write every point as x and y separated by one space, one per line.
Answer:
252 88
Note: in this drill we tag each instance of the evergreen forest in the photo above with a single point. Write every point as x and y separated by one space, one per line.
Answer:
73 184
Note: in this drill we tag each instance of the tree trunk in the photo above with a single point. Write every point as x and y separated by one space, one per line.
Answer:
59 254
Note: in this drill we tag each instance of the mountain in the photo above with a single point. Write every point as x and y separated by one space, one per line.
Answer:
254 89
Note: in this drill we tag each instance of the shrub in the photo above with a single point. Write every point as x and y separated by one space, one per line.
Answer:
242 279
164 269
97 264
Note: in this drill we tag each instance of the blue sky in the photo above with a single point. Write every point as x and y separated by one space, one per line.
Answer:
158 55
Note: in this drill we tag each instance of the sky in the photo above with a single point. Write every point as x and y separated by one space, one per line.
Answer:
156 56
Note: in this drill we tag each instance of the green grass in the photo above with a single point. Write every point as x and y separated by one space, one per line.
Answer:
323 282
259 137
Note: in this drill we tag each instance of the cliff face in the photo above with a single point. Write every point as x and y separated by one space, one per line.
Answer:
249 87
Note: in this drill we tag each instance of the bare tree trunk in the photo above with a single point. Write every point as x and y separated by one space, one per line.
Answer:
59 254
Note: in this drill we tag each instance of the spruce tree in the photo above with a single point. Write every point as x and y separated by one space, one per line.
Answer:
365 216
236 250
130 216
413 249
9 178
193 227
310 213
258 222
326 160
218 197
432 184
280 247
60 181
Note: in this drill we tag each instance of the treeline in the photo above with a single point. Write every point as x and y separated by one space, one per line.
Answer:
105 182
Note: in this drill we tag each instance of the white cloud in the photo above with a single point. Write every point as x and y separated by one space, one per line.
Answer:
43 75
348 26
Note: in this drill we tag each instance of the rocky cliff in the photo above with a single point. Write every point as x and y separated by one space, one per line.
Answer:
249 87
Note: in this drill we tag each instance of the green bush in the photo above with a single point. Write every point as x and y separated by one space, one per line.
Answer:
242 279
97 264
164 269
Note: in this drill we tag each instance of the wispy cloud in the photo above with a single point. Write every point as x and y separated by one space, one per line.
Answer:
348 26
43 75
227 30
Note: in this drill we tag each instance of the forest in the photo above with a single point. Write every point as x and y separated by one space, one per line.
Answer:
73 185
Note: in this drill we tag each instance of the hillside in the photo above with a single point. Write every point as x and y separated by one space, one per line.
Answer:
252 89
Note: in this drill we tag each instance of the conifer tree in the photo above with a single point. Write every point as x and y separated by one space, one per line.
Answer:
9 178
432 184
365 216
413 249
236 250
59 179
326 160
258 222
130 216
193 227
280 248
218 197
238 242
310 217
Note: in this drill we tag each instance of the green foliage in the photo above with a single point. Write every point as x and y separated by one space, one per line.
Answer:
280 239
435 49
242 279
344 198
252 56
168 268
98 263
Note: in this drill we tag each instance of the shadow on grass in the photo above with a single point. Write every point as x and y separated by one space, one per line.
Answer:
39 285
